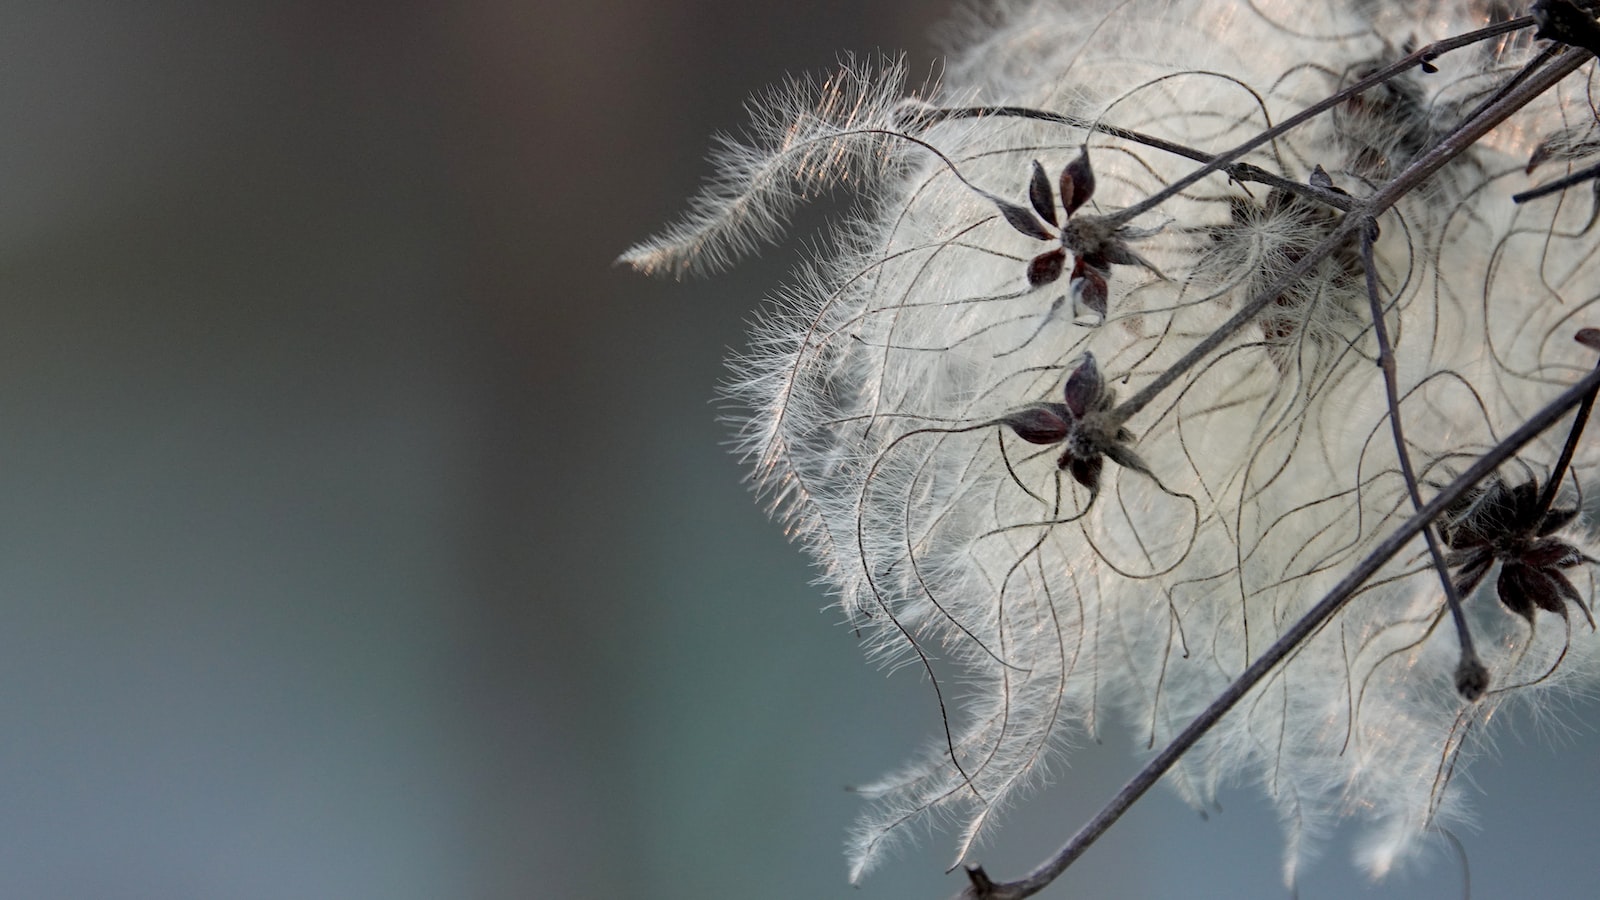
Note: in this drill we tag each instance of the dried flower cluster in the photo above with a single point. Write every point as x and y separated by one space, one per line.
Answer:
934 402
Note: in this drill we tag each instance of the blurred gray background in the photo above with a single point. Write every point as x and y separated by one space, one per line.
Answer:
365 534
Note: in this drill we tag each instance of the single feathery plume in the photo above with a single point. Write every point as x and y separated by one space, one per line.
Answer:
804 139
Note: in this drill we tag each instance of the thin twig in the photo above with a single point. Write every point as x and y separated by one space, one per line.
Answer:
1236 171
1472 677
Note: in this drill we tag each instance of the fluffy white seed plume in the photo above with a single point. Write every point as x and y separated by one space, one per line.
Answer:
936 405
804 139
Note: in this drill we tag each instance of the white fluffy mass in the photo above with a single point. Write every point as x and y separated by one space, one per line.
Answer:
886 386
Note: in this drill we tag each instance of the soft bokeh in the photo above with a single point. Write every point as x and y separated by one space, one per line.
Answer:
365 534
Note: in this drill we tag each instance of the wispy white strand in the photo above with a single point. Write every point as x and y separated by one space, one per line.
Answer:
876 383
804 139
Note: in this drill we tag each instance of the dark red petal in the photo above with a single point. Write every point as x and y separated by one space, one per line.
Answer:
1550 554
1077 182
1085 388
1474 567
1046 267
1527 587
1019 218
1090 292
1515 590
1042 423
1085 471
1562 592
1039 193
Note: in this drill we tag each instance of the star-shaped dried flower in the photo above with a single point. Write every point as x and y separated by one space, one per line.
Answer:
1086 423
1096 243
1510 525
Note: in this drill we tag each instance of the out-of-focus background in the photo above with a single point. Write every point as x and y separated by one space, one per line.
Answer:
365 534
